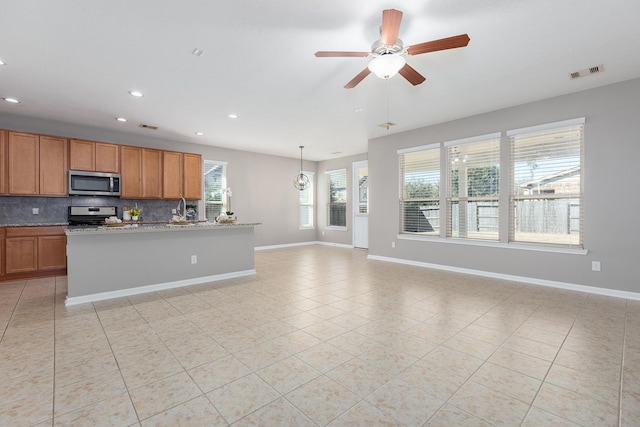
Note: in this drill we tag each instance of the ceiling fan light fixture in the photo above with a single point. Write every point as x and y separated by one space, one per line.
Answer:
386 66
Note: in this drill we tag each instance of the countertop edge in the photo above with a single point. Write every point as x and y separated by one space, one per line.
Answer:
153 228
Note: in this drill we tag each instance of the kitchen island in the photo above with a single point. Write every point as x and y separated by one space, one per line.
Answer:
110 262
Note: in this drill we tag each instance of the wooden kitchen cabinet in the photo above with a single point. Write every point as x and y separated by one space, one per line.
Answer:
37 165
23 164
130 172
192 166
172 177
36 250
151 173
22 254
3 162
53 166
94 156
52 252
140 173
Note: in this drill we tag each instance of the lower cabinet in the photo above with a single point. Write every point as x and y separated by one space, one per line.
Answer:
33 251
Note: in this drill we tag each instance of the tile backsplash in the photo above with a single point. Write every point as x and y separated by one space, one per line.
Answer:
18 210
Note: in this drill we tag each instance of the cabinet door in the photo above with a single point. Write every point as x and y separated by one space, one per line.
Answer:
172 178
151 173
53 166
192 176
24 164
52 252
21 254
130 172
82 155
107 157
3 162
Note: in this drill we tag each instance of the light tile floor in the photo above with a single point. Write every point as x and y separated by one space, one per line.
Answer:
321 336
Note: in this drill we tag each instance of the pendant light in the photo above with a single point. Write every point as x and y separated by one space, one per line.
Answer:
301 181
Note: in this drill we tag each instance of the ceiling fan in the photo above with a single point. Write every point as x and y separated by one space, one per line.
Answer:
389 52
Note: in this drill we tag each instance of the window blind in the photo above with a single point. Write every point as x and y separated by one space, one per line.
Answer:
420 190
473 190
337 206
305 203
546 197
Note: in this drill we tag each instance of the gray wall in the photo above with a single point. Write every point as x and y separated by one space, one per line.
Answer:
611 178
262 185
342 237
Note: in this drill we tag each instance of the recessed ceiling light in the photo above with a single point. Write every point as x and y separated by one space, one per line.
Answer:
121 119
2 62
199 133
12 100
358 110
136 93
233 116
197 52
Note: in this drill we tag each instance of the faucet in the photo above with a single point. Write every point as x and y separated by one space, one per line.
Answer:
182 213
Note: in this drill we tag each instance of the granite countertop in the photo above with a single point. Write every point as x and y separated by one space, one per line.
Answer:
153 227
40 224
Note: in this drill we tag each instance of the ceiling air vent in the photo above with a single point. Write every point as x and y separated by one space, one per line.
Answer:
586 72
151 127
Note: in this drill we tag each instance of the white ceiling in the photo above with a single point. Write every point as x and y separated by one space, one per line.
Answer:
75 60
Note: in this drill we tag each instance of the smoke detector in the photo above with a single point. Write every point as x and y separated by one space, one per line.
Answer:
586 72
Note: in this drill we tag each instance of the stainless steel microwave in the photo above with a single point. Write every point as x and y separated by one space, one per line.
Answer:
94 183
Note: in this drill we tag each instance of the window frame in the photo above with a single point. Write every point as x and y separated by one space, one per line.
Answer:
331 204
428 201
310 205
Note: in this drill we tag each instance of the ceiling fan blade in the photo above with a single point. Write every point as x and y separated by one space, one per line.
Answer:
357 79
412 76
332 54
391 19
442 44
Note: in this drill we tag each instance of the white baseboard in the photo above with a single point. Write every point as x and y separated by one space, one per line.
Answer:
156 287
313 242
522 279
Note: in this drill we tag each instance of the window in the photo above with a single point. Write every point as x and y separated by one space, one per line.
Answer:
215 183
337 207
420 190
473 196
306 204
546 196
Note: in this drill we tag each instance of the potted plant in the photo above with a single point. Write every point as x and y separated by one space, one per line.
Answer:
135 213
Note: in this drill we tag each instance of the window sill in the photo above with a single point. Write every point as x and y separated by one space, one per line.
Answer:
486 243
335 227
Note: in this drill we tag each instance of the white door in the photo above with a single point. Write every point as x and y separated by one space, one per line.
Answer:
361 204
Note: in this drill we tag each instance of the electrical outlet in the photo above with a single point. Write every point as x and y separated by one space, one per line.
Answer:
595 265
194 259
173 211
35 211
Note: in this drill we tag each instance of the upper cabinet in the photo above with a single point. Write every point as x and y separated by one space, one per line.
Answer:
53 166
172 179
37 165
94 156
141 173
3 162
192 176
130 172
151 173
